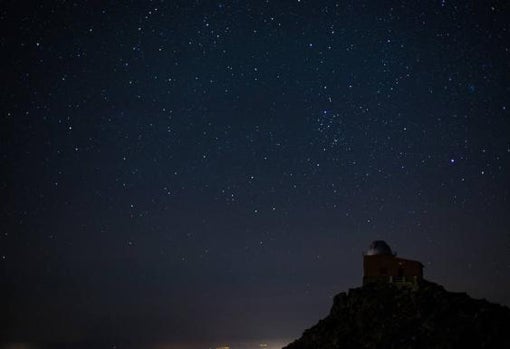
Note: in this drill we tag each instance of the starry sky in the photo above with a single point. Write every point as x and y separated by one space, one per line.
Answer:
203 171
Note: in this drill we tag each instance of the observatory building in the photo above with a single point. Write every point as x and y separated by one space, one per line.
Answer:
380 264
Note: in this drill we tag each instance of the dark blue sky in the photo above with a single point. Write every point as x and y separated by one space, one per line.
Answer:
201 171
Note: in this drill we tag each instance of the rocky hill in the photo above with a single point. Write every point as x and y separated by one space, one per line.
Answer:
389 316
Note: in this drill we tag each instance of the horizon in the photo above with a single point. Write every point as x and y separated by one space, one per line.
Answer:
231 344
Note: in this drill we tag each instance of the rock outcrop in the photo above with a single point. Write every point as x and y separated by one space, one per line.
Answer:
390 316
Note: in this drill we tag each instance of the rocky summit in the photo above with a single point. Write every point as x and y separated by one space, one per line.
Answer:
399 316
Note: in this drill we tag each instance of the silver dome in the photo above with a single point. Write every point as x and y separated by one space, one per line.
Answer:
379 247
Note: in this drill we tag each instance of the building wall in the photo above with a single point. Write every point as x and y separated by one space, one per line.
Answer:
390 268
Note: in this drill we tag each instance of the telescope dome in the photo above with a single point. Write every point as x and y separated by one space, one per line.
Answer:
379 247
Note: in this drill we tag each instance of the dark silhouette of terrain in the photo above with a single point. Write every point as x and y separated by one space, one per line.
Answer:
384 315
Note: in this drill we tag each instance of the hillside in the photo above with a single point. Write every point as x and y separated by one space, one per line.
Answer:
387 316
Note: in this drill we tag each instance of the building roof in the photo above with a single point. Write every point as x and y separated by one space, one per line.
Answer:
379 247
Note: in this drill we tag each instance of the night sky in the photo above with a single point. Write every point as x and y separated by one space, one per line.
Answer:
209 172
